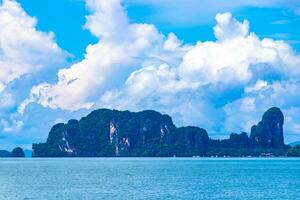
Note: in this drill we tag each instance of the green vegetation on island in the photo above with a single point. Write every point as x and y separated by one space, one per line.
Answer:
112 133
294 151
16 153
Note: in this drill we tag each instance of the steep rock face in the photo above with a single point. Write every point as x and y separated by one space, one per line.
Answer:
268 133
191 141
111 133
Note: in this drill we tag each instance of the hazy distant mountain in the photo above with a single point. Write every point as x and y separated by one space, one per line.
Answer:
149 133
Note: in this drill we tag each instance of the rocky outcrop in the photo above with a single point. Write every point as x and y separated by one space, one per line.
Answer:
237 141
18 153
4 154
111 133
148 133
191 141
268 133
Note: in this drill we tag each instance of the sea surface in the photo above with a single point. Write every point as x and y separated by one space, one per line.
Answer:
150 178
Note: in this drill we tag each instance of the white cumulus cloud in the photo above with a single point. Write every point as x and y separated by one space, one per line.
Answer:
122 48
228 27
134 66
23 49
201 88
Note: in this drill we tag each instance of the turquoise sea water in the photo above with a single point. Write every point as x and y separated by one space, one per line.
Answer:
150 178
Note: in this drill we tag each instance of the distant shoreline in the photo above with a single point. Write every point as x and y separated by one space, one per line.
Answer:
228 157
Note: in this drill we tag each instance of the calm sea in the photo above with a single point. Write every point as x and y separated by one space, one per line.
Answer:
150 178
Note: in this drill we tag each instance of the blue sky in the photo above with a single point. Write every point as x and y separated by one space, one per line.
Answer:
66 18
63 58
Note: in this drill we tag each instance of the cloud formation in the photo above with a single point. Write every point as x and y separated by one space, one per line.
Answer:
122 48
27 56
212 78
215 84
23 49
